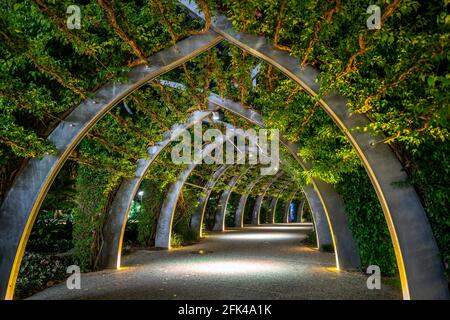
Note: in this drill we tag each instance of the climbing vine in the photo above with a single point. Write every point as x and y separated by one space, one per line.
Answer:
398 76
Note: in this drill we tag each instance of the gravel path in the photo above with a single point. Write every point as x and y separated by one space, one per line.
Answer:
266 262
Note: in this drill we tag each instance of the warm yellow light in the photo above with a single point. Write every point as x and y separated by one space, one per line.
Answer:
123 268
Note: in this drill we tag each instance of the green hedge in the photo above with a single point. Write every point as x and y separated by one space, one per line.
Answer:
367 222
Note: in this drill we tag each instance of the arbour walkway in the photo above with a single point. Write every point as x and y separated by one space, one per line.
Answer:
264 262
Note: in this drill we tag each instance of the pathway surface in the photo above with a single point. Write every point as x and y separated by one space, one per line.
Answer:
266 262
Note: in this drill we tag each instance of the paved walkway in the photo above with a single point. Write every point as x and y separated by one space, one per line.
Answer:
267 262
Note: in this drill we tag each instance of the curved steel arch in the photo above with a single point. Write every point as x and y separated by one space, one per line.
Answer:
236 219
300 211
164 227
219 224
239 220
321 223
259 199
246 113
23 200
116 221
197 218
420 278
346 250
114 228
273 204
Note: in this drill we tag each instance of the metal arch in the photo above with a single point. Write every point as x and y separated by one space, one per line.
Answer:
250 115
235 217
259 199
346 250
53 165
322 232
239 220
321 223
274 201
219 224
418 259
114 229
164 227
406 241
197 218
274 207
23 200
116 221
301 208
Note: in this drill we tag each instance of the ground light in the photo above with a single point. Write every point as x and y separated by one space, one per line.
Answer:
232 267
257 236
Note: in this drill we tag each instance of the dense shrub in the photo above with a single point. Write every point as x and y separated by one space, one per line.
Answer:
39 271
430 173
50 234
94 189
147 211
367 222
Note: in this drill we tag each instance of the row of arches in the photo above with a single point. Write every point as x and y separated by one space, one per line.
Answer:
420 268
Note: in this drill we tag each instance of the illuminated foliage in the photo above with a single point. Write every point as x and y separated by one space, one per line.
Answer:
398 76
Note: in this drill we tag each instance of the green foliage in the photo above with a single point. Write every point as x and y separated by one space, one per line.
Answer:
187 204
150 207
232 206
367 222
279 211
431 176
177 240
398 76
93 195
52 231
50 234
39 271
311 238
